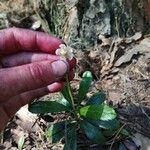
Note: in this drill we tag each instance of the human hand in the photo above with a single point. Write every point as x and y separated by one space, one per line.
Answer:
29 69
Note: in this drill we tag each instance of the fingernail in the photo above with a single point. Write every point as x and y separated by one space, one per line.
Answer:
60 68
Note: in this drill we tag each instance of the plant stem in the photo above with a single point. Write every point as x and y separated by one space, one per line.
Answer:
70 93
71 97
66 139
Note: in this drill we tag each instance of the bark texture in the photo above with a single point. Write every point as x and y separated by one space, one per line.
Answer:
79 22
91 18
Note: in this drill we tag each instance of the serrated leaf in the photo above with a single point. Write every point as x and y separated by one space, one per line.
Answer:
98 112
98 99
65 93
70 137
84 85
109 124
50 106
92 132
21 142
56 131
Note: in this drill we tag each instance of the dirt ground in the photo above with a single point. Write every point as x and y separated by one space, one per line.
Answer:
121 68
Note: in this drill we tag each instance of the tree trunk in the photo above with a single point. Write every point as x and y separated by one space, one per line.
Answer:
80 22
88 19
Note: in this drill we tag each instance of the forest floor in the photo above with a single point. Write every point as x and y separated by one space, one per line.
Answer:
121 68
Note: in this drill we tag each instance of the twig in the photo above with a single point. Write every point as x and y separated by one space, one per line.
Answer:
111 46
116 136
143 111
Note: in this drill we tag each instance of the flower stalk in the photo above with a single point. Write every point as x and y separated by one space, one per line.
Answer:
70 92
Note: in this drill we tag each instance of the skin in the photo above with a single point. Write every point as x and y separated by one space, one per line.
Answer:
29 69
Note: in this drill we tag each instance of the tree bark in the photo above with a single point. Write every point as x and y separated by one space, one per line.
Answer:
91 18
80 22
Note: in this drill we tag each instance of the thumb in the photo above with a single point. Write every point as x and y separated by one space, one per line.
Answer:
17 80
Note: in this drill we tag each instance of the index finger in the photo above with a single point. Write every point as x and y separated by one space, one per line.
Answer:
16 40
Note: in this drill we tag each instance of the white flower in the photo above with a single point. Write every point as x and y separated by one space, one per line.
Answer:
65 52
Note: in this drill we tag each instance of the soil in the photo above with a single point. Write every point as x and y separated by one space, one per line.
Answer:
121 68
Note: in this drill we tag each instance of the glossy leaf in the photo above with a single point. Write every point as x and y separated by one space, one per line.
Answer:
92 132
98 112
84 85
109 133
98 99
56 131
65 93
70 137
49 106
109 124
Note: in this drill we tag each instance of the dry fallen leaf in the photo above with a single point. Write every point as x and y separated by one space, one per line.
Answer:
146 42
105 41
142 48
137 36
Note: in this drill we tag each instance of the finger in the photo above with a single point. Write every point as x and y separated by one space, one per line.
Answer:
16 40
29 57
3 119
17 80
55 87
18 101
26 58
8 109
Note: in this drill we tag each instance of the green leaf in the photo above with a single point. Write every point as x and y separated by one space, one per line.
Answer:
84 85
70 137
56 131
98 112
98 99
65 93
21 142
50 106
92 132
109 133
109 124
64 102
125 132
